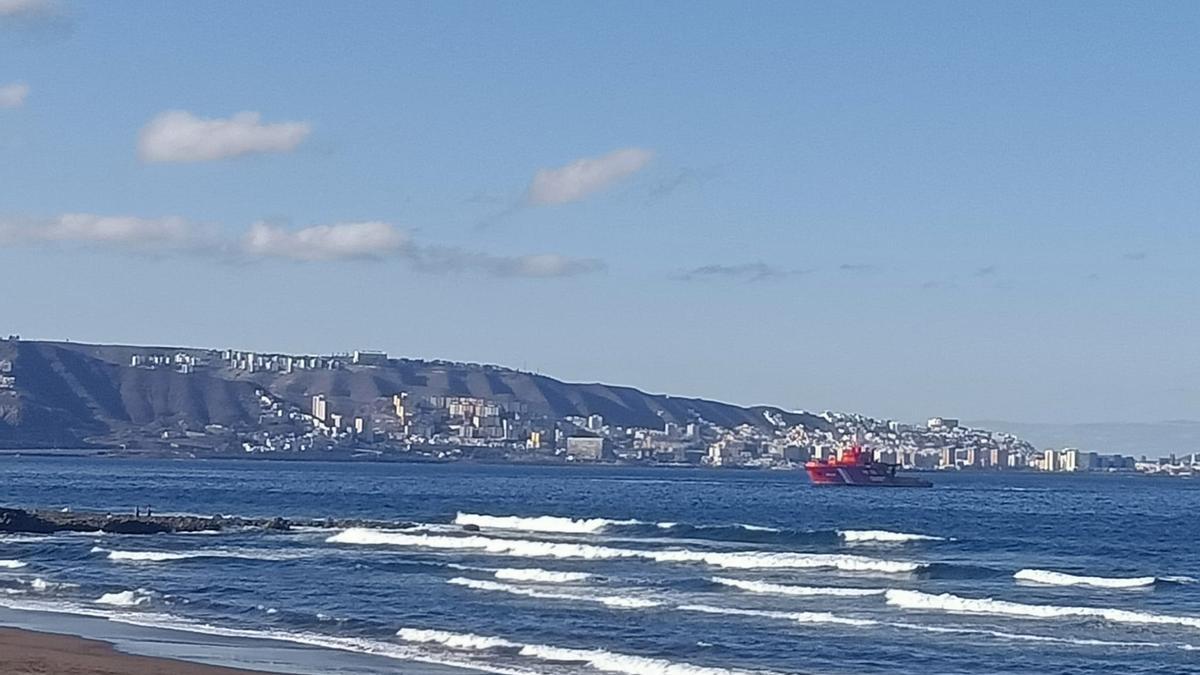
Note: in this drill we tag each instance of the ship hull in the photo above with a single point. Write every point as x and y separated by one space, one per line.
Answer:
859 476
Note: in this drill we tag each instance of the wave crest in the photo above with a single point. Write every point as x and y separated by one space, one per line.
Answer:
536 575
12 564
599 659
552 524
884 536
548 549
1052 578
787 589
126 598
954 604
798 617
615 601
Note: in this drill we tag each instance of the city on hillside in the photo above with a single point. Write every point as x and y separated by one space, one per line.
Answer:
406 425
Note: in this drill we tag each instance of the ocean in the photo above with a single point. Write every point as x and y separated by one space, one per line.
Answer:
583 570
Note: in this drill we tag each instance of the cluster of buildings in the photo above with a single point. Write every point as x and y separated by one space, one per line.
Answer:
187 361
1187 466
1073 460
7 379
447 426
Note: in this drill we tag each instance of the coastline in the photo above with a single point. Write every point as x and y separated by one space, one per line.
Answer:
24 651
37 640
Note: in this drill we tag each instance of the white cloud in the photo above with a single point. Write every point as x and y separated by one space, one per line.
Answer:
336 242
585 176
180 136
544 265
13 95
128 232
325 242
29 8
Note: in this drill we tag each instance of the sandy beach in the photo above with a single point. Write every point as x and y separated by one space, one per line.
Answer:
28 653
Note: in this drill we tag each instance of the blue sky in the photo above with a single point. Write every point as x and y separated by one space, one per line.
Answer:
984 211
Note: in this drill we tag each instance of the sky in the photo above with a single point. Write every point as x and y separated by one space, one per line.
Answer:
975 210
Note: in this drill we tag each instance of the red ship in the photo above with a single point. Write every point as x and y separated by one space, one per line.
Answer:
857 467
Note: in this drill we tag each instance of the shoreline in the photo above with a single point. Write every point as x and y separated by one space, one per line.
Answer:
38 640
25 651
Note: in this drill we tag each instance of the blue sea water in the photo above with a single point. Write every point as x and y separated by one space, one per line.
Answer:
640 571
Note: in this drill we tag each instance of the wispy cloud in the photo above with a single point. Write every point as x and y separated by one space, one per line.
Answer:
584 177
858 267
683 178
180 136
29 8
933 285
986 271
748 272
543 266
13 95
144 235
262 241
1135 256
340 241
441 259
39 17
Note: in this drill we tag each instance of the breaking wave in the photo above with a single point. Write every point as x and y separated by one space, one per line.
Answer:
798 617
12 564
615 601
787 589
947 602
547 549
600 659
884 536
1061 579
144 556
172 556
126 598
536 575
552 524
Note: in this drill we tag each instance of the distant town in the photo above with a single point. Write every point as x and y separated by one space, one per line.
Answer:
409 425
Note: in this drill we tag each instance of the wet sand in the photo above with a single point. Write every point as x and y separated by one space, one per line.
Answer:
28 653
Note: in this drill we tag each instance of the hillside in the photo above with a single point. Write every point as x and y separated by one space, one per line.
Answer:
63 394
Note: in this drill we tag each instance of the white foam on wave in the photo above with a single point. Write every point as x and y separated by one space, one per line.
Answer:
757 528
1051 578
172 556
798 617
541 576
599 659
563 550
883 536
12 564
742 526
126 598
954 604
40 585
1024 637
145 556
552 524
615 601
788 589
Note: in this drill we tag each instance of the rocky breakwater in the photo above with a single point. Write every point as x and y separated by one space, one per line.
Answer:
48 522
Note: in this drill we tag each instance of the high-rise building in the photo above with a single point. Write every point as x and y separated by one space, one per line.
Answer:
1069 460
320 407
999 458
400 403
948 459
1050 460
595 422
